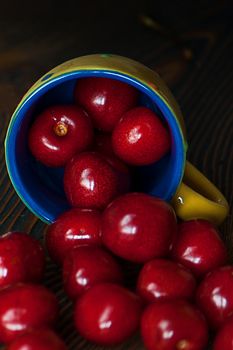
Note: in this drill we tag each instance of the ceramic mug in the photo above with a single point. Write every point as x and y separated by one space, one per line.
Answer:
172 178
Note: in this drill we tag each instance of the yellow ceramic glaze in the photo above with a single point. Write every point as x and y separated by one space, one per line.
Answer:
198 198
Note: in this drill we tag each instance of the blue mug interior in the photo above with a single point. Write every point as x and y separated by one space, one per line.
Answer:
41 187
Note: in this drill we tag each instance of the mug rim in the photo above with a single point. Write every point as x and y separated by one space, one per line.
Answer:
52 81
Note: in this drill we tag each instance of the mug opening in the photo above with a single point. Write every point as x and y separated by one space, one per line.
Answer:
41 188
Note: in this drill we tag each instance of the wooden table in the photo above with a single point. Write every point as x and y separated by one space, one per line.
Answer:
196 64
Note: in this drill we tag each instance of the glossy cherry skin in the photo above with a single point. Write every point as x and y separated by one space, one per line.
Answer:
140 138
24 307
173 325
58 133
90 181
22 259
72 229
215 296
105 100
199 247
86 266
224 337
38 339
161 279
107 314
138 227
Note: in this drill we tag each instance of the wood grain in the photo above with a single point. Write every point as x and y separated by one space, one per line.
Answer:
202 81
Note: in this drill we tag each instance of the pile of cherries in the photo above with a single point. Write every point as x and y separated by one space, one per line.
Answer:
183 287
28 310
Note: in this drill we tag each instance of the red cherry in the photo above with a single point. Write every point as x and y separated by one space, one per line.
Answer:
199 247
86 266
215 296
140 137
58 133
224 338
177 325
24 307
72 229
138 227
41 339
107 314
161 279
105 100
90 181
22 259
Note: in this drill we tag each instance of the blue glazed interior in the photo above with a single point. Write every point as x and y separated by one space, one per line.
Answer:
41 188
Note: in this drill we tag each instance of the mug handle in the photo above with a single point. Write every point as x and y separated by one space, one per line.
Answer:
198 198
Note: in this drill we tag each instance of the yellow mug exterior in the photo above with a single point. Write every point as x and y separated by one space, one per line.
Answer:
196 197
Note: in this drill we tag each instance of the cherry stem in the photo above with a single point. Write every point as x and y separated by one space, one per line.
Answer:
60 129
182 345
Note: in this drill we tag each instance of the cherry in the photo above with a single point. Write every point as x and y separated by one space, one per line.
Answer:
140 137
58 133
22 259
71 229
90 181
176 324
40 339
86 266
161 279
199 247
224 338
138 227
24 307
105 100
215 296
107 314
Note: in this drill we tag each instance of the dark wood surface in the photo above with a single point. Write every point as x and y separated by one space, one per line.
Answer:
195 60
